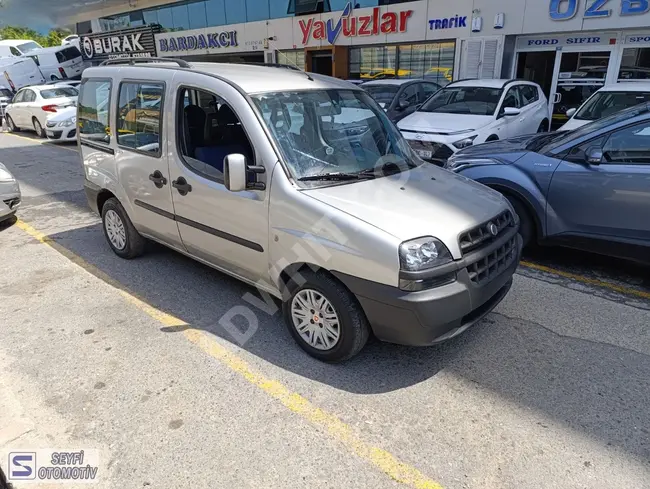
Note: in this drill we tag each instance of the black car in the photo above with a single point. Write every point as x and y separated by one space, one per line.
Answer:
400 97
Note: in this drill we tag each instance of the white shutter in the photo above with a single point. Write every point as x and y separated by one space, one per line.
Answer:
489 58
471 58
480 58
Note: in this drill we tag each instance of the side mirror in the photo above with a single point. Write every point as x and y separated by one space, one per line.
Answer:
234 172
403 104
594 155
511 111
571 112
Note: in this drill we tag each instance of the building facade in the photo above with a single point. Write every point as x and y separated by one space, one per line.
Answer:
570 47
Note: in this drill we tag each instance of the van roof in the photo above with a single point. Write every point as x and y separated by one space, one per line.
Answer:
250 78
15 42
54 49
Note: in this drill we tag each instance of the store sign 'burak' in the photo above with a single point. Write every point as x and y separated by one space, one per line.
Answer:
352 26
136 42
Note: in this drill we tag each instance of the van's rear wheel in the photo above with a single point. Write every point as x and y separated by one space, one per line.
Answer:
120 233
325 318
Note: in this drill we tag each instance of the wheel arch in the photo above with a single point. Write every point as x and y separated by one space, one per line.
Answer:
521 195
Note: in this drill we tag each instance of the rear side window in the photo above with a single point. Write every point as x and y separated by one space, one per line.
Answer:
139 116
68 54
94 114
59 92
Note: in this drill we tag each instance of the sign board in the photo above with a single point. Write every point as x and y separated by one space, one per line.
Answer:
554 41
137 42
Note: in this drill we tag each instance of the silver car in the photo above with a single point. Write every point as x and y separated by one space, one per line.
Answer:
9 194
297 184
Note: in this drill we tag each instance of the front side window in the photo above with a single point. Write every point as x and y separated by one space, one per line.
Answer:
464 100
94 114
208 131
528 94
383 94
20 97
14 51
429 89
630 145
511 99
602 104
409 95
29 96
139 116
330 135
59 92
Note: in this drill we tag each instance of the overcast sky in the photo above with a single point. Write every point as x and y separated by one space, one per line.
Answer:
28 13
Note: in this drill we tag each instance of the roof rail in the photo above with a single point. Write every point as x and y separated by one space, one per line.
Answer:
271 65
134 61
461 80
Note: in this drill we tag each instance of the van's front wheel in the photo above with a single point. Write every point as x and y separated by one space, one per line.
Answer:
325 318
120 233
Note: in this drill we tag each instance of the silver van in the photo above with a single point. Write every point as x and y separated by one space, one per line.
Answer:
299 185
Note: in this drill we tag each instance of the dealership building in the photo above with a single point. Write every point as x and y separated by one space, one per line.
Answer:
570 47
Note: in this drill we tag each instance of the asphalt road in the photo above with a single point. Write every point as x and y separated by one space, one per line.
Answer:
128 357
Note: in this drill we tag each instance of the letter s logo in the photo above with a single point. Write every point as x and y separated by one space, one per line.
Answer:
22 466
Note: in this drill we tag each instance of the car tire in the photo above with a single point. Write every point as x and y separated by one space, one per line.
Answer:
10 124
125 241
340 310
38 128
543 126
526 223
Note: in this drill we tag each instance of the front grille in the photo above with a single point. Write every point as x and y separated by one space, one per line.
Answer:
482 235
440 152
488 268
55 134
12 203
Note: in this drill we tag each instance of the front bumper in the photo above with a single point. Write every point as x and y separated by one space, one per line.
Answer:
61 134
437 314
9 199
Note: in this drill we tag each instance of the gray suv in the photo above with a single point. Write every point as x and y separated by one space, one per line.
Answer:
588 188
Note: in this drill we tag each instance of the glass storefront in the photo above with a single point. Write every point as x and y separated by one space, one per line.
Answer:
195 14
434 60
635 64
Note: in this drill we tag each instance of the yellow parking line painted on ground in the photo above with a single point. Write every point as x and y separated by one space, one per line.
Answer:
587 280
69 148
324 421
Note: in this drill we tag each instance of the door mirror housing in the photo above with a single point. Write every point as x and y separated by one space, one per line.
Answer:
571 112
234 172
511 111
594 155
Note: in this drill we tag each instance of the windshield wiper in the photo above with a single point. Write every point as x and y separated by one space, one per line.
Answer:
337 176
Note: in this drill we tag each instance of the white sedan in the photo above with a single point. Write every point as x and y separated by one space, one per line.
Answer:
32 106
62 126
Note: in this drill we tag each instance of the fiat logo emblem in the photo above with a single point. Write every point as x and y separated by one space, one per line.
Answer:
492 228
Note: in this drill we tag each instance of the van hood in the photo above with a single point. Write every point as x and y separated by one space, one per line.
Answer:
440 123
425 201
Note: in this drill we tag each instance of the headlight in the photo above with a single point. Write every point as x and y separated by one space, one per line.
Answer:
456 163
464 143
422 253
68 122
5 176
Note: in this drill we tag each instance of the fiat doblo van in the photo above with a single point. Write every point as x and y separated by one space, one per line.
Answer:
299 185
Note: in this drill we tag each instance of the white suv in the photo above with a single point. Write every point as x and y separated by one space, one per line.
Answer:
469 112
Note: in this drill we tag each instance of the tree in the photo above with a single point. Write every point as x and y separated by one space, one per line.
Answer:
53 38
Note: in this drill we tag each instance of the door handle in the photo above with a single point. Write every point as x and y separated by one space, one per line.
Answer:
158 179
182 186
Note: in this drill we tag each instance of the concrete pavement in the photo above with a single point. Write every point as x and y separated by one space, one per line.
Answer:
551 390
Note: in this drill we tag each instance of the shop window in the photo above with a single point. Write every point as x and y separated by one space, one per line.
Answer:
434 61
181 17
373 63
150 16
165 18
197 15
216 12
235 12
635 64
293 58
139 116
257 10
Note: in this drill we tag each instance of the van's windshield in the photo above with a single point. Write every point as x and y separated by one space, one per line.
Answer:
334 135
29 46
